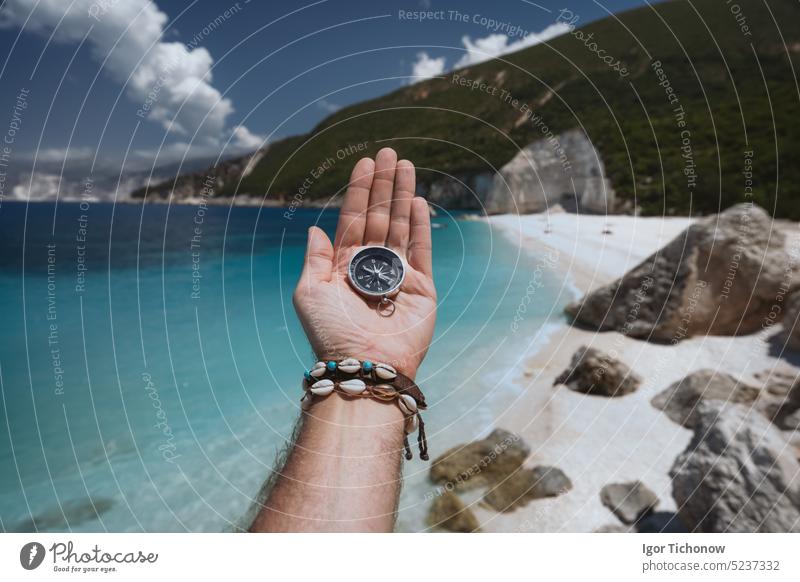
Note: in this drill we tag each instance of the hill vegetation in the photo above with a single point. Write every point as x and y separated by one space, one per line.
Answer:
707 114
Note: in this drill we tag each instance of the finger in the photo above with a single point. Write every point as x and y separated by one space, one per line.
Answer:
353 214
419 247
404 185
380 198
318 266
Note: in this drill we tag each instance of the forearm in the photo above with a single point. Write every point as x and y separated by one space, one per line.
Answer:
343 473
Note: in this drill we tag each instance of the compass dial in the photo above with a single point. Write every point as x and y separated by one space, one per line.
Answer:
376 271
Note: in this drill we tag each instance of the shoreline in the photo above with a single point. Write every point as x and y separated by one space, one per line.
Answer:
241 201
595 440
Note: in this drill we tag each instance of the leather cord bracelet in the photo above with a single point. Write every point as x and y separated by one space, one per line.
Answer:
367 379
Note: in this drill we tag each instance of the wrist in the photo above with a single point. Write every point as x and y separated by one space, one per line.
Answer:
355 428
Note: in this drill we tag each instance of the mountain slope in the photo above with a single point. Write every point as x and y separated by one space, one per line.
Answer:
737 89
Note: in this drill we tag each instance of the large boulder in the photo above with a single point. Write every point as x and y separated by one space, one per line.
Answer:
592 371
719 277
480 462
737 474
562 169
630 502
525 485
680 402
790 333
449 513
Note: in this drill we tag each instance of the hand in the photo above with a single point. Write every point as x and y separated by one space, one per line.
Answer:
379 209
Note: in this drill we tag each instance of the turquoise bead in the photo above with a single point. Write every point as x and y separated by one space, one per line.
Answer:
307 375
331 365
367 366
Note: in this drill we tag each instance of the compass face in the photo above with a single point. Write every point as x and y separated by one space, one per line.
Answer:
376 271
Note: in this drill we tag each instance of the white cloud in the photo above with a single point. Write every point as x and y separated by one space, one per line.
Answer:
243 139
483 49
37 186
170 81
495 45
58 155
426 67
326 105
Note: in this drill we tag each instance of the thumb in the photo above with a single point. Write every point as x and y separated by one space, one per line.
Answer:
319 256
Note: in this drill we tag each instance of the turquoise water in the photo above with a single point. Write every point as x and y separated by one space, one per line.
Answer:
139 396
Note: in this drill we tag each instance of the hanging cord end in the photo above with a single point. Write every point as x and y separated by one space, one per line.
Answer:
407 448
422 441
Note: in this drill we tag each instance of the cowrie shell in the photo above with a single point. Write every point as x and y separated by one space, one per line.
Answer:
385 372
318 370
353 386
407 404
411 424
350 365
322 387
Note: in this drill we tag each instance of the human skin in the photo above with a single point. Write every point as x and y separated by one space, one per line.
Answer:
343 472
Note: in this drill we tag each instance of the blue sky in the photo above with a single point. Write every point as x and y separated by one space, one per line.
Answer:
154 85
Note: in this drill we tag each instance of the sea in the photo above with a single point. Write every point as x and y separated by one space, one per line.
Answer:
150 357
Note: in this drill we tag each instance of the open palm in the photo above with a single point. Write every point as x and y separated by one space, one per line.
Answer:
379 209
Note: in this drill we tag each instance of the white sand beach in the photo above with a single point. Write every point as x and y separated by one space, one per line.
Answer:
597 440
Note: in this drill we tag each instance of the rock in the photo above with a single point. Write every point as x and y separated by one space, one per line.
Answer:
525 485
660 522
594 372
783 410
737 474
630 502
793 438
512 492
777 382
448 512
719 277
791 422
480 462
549 482
496 463
790 332
543 173
615 528
680 401
69 515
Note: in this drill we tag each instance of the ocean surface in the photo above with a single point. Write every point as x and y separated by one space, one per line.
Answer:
150 357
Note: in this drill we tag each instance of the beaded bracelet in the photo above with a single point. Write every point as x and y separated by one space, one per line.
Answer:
367 379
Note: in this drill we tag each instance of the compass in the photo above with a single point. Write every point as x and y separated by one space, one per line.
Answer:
376 272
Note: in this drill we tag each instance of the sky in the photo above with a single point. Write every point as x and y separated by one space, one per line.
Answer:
104 80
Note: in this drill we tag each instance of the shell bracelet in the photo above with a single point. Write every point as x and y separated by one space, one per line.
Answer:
367 379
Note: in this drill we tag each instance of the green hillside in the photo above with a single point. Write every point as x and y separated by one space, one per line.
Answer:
738 89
